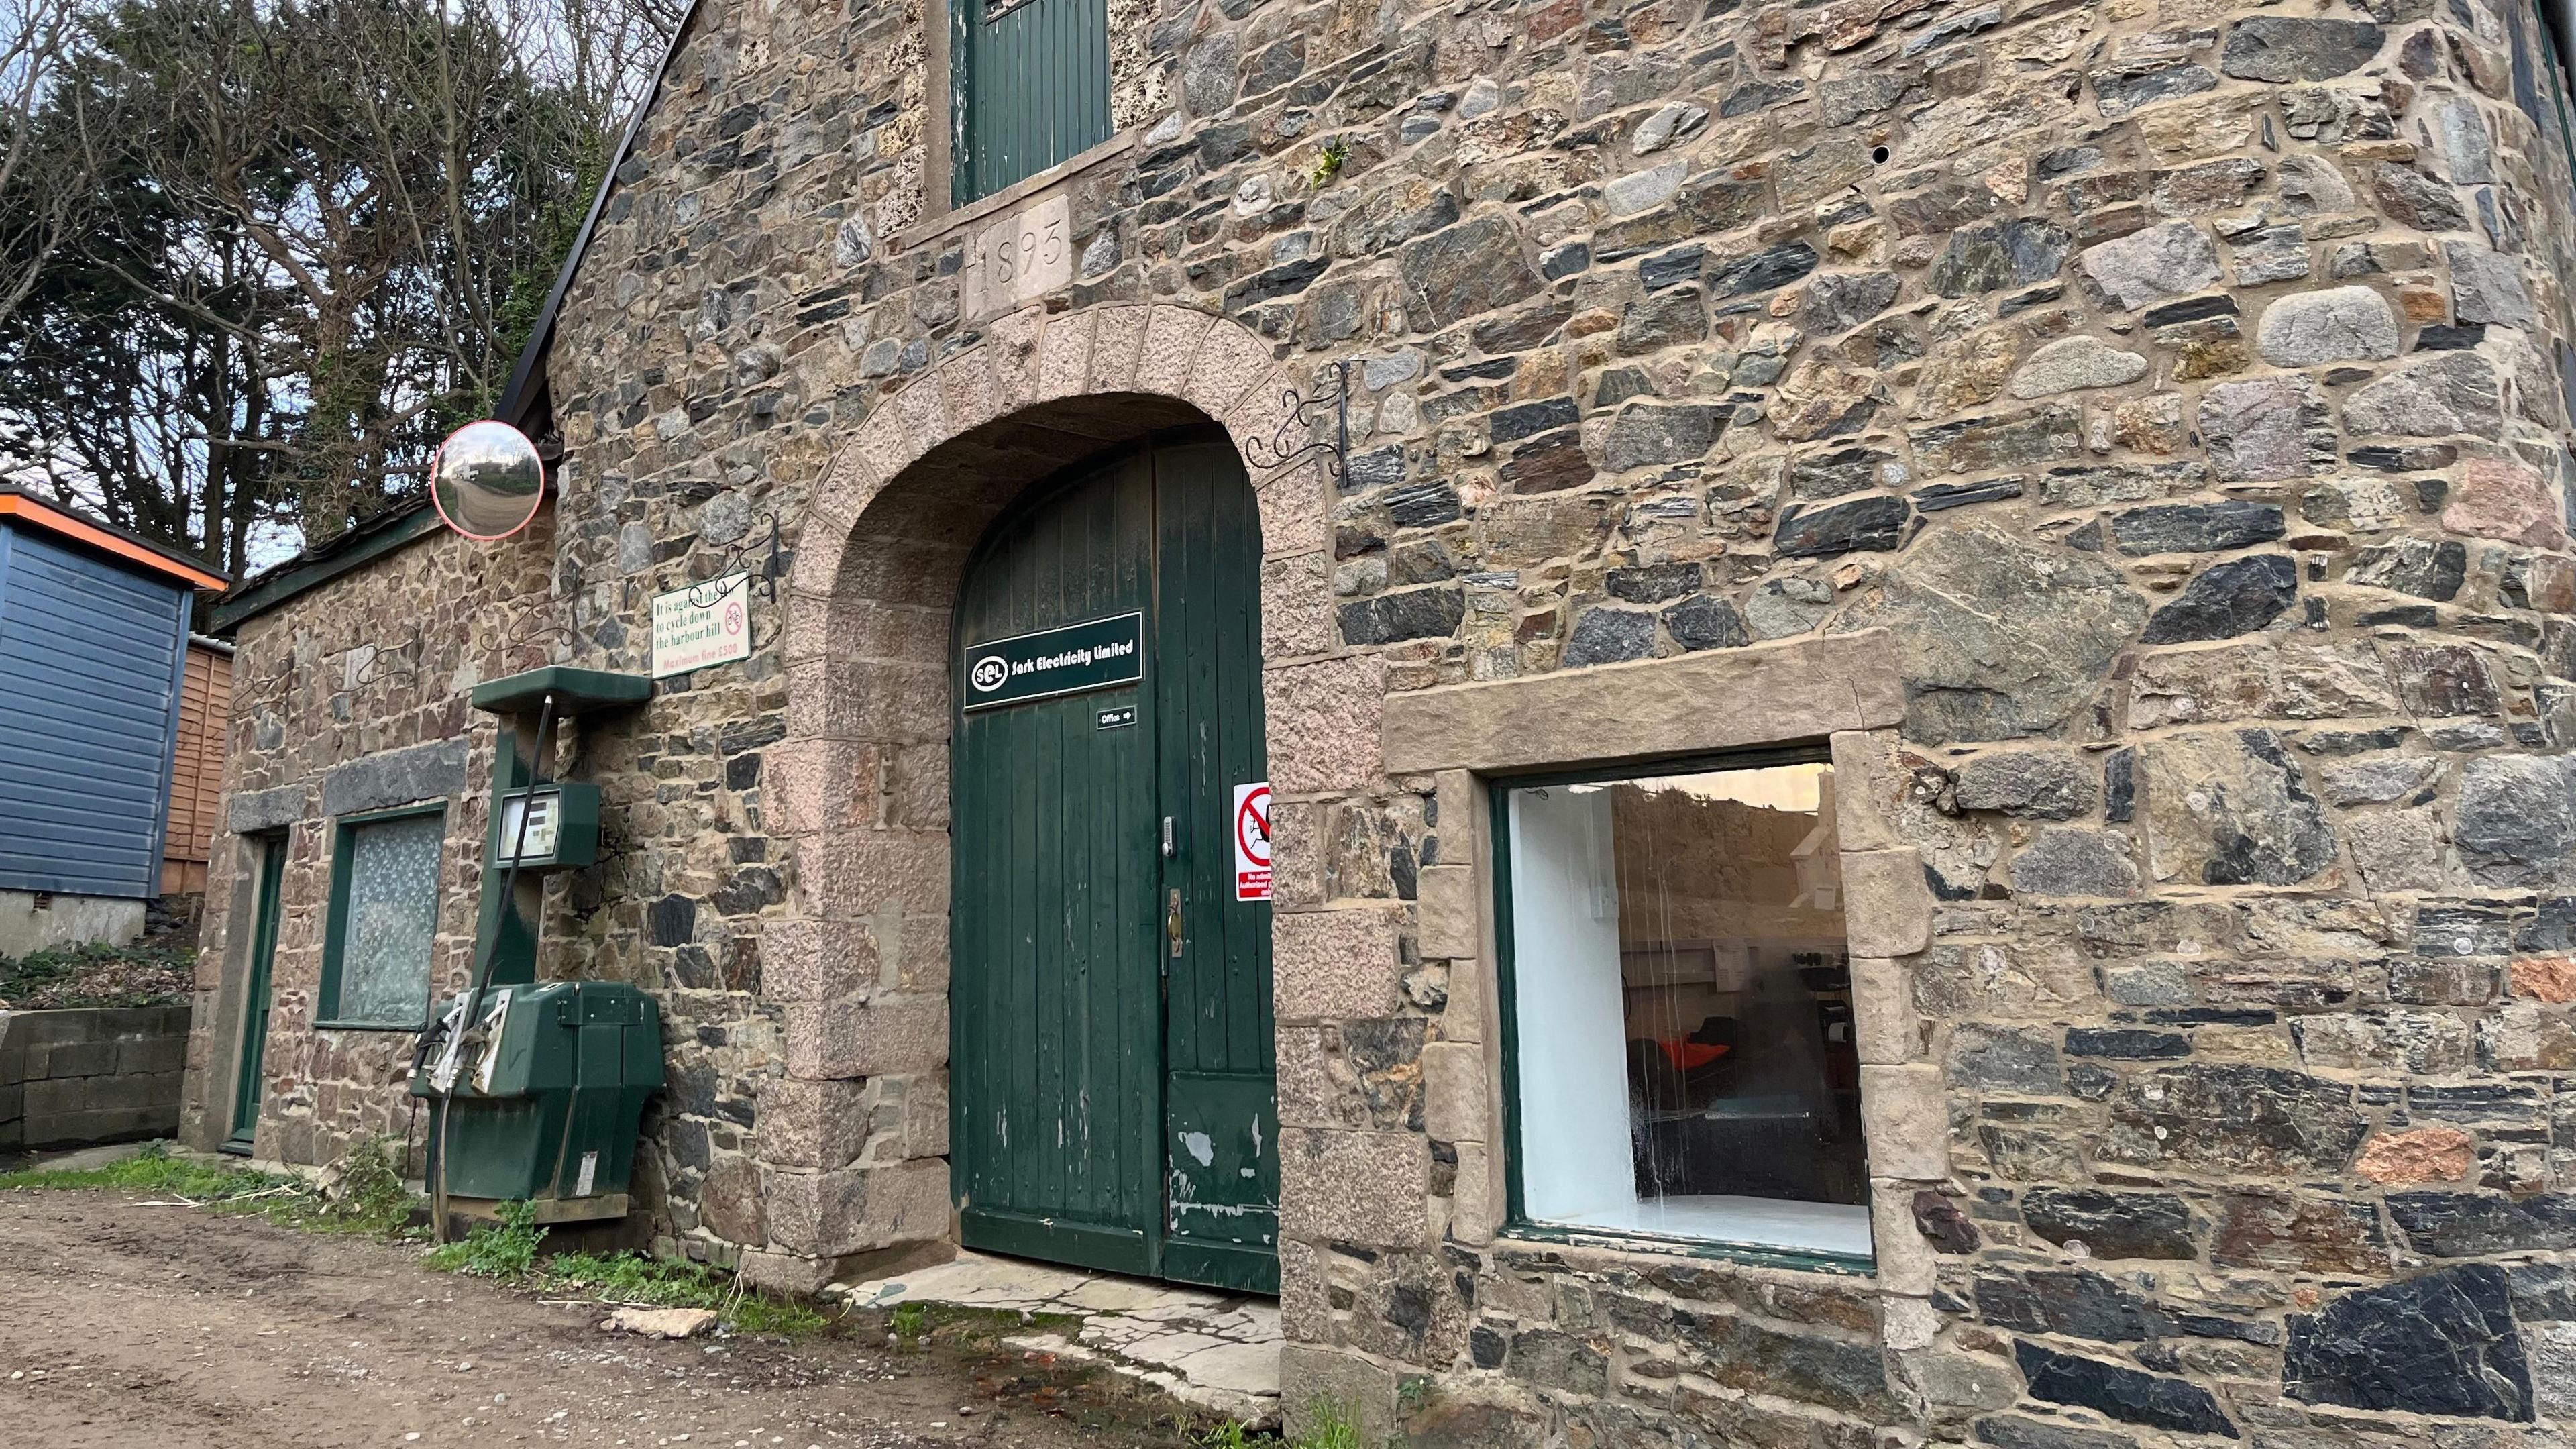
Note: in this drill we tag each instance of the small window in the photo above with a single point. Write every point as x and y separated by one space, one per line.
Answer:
384 918
1683 1058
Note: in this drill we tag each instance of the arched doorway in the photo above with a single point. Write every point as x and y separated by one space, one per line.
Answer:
1112 1073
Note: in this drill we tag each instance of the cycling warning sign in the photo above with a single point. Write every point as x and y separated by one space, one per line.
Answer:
1252 841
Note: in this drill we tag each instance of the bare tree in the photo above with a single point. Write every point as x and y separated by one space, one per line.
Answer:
43 182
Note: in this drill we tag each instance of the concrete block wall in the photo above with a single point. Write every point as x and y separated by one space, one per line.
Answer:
74 1078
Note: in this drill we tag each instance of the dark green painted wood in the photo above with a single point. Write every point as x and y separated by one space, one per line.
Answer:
1113 1103
1055 979
1031 85
1222 1135
257 998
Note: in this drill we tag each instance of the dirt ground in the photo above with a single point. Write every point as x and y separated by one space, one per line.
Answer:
128 1325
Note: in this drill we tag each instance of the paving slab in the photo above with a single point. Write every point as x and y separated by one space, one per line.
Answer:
1210 1350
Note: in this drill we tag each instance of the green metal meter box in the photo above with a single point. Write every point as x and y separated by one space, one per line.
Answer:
562 833
549 1100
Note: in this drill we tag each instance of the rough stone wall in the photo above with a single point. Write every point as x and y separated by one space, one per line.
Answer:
2174 383
351 697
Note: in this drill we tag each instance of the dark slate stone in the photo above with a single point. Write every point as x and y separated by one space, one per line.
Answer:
2011 253
742 772
2120 92
1522 420
1705 621
2440 338
2552 931
2121 1393
749 889
1470 268
1763 271
1619 384
1942 1224
1872 525
2413 458
1848 470
2127 1043
1423 505
1485 1347
2008 1433
1652 583
396 777
1374 469
1959 495
2070 1302
1286 280
1607 636
1560 262
2005 1059
2194 527
2298 48
2427 568
2237 1117
2473 1225
1839 301
1834 1372
2443 1343
2517 818
1410 614
2112 1224
671 921
2190 309
1547 463
751 734
2236 597
2542 1292
1672 268
1643 435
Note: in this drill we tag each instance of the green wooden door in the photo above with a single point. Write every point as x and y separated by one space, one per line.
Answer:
256 995
1030 88
1111 1071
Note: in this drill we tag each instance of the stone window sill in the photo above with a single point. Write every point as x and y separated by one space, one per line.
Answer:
1639 1244
959 218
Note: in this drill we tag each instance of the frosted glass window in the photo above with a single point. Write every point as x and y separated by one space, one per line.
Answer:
388 919
1683 1010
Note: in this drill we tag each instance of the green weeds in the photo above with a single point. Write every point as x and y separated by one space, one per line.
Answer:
371 1201
508 1252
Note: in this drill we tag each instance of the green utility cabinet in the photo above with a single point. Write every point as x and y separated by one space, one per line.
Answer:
547 1110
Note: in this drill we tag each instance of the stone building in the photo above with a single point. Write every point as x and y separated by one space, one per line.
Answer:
2059 508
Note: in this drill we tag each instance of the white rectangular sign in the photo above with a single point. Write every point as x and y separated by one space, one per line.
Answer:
706 624
1252 841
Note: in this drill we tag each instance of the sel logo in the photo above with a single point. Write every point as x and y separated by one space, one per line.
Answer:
989 673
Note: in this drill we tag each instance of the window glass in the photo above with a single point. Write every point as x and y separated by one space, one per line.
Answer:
389 920
1683 1010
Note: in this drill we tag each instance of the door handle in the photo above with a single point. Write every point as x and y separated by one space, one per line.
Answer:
1172 922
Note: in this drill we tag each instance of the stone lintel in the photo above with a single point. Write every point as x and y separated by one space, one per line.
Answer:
1804 689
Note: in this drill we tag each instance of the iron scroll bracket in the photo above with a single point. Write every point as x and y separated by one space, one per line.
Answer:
1284 449
707 593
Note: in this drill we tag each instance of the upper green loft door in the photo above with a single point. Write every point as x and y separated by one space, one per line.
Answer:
1029 85
1112 1075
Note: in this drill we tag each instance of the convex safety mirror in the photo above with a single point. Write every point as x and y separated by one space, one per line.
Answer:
487 480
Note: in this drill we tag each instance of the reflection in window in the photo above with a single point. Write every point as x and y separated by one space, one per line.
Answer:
1683 1011
388 920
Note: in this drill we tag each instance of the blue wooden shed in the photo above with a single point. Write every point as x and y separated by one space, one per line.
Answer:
93 643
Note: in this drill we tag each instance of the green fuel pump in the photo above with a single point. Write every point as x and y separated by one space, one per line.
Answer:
537 1089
